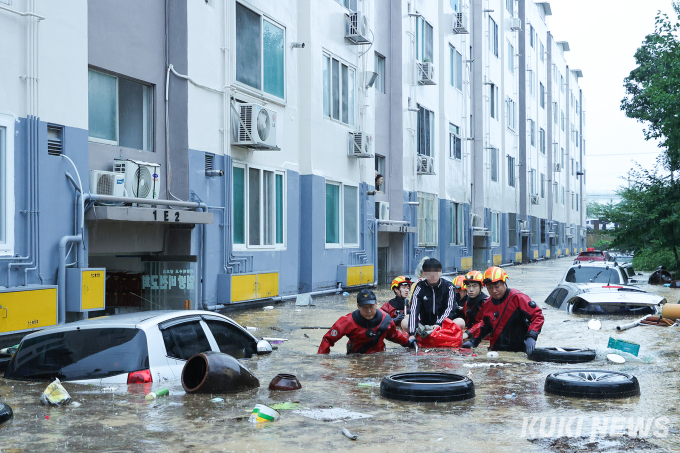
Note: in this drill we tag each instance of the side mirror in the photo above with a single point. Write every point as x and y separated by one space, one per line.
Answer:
263 347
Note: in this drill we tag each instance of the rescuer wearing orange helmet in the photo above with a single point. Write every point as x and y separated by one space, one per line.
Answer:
461 290
396 307
472 306
510 318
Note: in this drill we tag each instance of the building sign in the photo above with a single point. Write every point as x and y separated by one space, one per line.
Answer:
168 285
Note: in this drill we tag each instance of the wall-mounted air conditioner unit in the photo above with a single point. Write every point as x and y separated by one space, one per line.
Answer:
356 28
558 168
516 24
359 144
460 23
382 210
107 183
425 165
255 127
141 178
426 73
523 225
534 199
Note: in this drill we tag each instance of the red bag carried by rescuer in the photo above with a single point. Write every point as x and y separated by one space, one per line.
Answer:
449 335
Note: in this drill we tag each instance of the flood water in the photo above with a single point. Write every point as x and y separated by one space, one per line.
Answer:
122 421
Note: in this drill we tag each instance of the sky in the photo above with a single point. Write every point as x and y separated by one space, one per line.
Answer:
603 36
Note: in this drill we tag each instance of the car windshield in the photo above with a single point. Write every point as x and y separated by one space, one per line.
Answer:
80 354
593 275
598 254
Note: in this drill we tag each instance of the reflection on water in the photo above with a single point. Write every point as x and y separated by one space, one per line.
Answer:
123 421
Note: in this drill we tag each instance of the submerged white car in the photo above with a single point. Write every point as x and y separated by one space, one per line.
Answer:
132 348
604 299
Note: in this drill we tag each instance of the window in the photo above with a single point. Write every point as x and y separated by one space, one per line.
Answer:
495 228
339 89
510 6
544 230
380 169
6 185
493 36
561 83
535 231
457 224
454 142
512 229
562 119
427 220
349 4
425 131
342 214
542 185
572 167
455 5
562 187
532 82
541 94
184 340
511 171
493 101
259 206
532 132
541 140
511 58
380 70
232 340
531 35
512 113
493 154
562 157
456 68
542 56
556 192
577 202
424 40
572 200
532 177
120 111
260 57
555 111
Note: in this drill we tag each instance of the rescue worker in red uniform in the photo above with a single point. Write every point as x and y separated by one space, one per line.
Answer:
461 290
472 307
510 319
367 328
396 307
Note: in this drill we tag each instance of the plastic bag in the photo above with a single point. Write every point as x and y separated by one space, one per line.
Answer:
449 335
55 395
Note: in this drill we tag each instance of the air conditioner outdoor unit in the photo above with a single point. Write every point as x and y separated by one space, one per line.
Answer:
359 144
256 127
523 225
382 210
356 28
516 24
425 165
476 221
426 73
460 23
141 178
107 183
534 199
558 168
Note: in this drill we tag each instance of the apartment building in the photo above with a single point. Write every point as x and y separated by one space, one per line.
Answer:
196 154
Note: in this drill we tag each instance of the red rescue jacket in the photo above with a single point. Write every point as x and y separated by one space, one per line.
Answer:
508 322
365 336
394 307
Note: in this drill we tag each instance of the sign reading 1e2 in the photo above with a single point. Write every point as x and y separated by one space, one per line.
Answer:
166 216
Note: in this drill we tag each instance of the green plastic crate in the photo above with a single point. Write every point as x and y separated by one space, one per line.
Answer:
625 346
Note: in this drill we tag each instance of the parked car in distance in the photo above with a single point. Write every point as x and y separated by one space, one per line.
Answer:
605 299
596 272
132 348
591 254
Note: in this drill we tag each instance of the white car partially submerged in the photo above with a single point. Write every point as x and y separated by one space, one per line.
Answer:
604 299
132 348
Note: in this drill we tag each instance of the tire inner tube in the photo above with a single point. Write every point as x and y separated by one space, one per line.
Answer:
427 387
592 384
566 355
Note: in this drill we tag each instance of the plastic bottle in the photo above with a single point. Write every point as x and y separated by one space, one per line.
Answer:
160 392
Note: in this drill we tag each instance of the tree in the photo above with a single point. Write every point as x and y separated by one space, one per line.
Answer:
653 88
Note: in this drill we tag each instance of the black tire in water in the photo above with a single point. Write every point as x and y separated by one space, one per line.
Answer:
569 355
4 361
592 384
427 387
5 413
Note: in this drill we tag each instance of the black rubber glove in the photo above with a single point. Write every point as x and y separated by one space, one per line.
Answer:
467 345
399 319
412 343
530 343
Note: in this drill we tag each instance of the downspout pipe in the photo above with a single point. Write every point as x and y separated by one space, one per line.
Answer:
63 242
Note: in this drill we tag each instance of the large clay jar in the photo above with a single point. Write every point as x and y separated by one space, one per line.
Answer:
215 372
285 382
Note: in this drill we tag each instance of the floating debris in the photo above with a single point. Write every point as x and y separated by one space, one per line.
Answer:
349 435
492 354
262 413
332 414
55 395
217 400
594 324
615 358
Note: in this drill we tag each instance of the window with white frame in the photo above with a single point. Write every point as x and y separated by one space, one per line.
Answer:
456 68
380 70
455 143
572 200
455 5
342 215
425 131
457 224
349 4
541 94
562 157
541 140
259 207
531 35
260 56
532 82
562 119
542 56
561 83
556 192
511 171
533 182
120 111
424 40
493 158
510 6
493 101
6 185
427 220
562 195
511 113
493 36
572 167
542 185
495 228
532 132
555 112
511 58
338 89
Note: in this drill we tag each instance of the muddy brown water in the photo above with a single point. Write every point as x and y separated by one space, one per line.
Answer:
123 421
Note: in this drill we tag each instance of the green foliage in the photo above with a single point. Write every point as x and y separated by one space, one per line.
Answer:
646 260
603 245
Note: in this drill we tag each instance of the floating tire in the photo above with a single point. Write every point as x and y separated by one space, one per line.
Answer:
427 387
4 361
592 384
568 355
5 413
